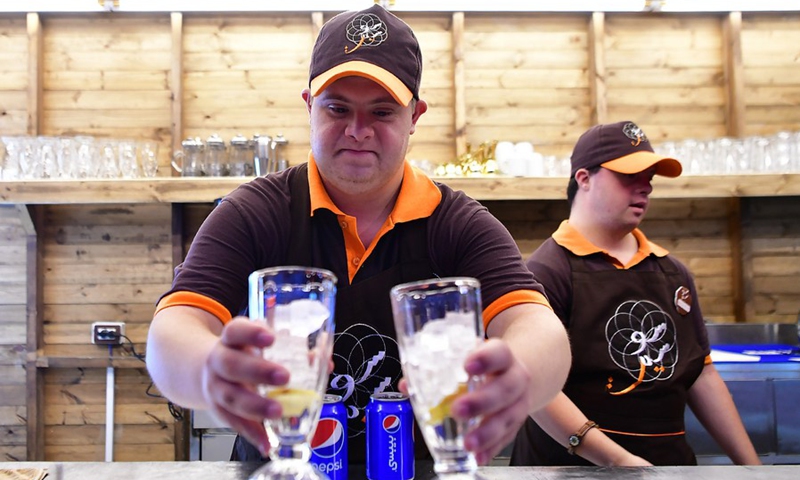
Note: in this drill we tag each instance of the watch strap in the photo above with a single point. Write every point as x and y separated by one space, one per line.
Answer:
576 438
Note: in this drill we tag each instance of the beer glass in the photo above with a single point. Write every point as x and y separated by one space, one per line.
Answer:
439 323
297 304
148 156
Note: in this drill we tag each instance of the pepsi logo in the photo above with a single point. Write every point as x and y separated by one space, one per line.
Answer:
391 424
329 438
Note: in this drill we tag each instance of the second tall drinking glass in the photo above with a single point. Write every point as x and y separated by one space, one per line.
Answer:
439 323
297 303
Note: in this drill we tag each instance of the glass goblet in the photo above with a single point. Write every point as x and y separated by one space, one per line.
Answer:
297 304
439 323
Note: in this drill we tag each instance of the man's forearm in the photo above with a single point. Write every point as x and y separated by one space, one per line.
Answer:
178 344
538 339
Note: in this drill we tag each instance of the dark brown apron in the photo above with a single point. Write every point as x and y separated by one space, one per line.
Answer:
365 353
634 359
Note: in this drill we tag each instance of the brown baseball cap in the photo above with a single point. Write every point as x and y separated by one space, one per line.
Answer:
621 147
373 44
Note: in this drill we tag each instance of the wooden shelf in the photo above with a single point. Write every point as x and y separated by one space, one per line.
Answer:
50 361
202 190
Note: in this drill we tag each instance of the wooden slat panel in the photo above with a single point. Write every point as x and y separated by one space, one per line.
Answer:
511 62
96 394
96 453
78 333
87 81
12 354
106 100
108 76
12 415
12 374
227 55
13 395
666 73
93 294
14 454
13 75
770 52
77 313
106 254
123 434
140 273
96 414
13 330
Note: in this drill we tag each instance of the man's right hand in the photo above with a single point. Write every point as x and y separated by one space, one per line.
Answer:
231 373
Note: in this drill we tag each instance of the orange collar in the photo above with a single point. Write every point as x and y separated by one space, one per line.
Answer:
418 197
571 239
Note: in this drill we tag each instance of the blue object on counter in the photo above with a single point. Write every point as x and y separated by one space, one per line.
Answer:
762 353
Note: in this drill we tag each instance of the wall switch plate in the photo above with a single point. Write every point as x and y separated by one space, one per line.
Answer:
107 333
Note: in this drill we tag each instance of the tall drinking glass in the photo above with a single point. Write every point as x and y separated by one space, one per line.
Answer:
297 303
439 323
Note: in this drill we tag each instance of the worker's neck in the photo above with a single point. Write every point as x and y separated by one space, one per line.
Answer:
371 209
619 242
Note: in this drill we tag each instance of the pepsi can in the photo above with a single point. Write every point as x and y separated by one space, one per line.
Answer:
390 437
329 443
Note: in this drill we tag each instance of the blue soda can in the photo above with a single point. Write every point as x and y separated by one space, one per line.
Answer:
390 437
329 443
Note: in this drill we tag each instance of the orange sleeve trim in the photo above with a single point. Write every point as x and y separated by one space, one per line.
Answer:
708 360
191 299
517 297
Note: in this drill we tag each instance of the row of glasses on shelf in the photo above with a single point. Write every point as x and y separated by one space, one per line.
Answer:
778 153
77 157
242 157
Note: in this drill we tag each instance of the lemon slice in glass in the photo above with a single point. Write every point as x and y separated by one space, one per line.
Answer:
294 401
442 410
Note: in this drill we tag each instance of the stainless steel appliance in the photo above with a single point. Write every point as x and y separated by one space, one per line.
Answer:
211 439
765 392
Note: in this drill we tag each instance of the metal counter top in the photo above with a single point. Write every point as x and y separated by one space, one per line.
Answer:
240 471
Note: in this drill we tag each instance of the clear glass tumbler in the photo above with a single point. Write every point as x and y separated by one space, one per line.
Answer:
297 303
439 323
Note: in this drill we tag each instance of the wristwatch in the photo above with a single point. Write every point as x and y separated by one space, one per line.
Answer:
576 438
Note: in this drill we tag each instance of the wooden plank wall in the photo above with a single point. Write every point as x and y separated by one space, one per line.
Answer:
13 350
244 74
108 76
13 75
433 139
771 58
103 263
666 73
526 79
771 236
521 77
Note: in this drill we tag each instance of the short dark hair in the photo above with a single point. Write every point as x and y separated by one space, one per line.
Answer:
572 186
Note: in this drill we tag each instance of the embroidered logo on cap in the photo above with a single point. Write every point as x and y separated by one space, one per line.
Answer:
366 30
632 131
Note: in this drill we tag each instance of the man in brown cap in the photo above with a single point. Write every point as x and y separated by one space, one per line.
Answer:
359 209
640 349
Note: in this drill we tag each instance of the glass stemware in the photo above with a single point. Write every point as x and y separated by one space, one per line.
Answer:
439 323
297 303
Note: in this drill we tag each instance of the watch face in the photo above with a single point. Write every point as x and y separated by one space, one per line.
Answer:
574 440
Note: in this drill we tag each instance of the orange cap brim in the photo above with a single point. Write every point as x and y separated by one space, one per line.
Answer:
357 68
640 161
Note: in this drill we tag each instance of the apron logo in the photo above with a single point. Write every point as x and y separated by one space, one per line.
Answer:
683 300
642 341
364 365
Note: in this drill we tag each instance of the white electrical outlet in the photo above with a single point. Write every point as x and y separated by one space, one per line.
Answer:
107 333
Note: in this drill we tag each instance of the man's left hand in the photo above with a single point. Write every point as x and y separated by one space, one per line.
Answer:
502 400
